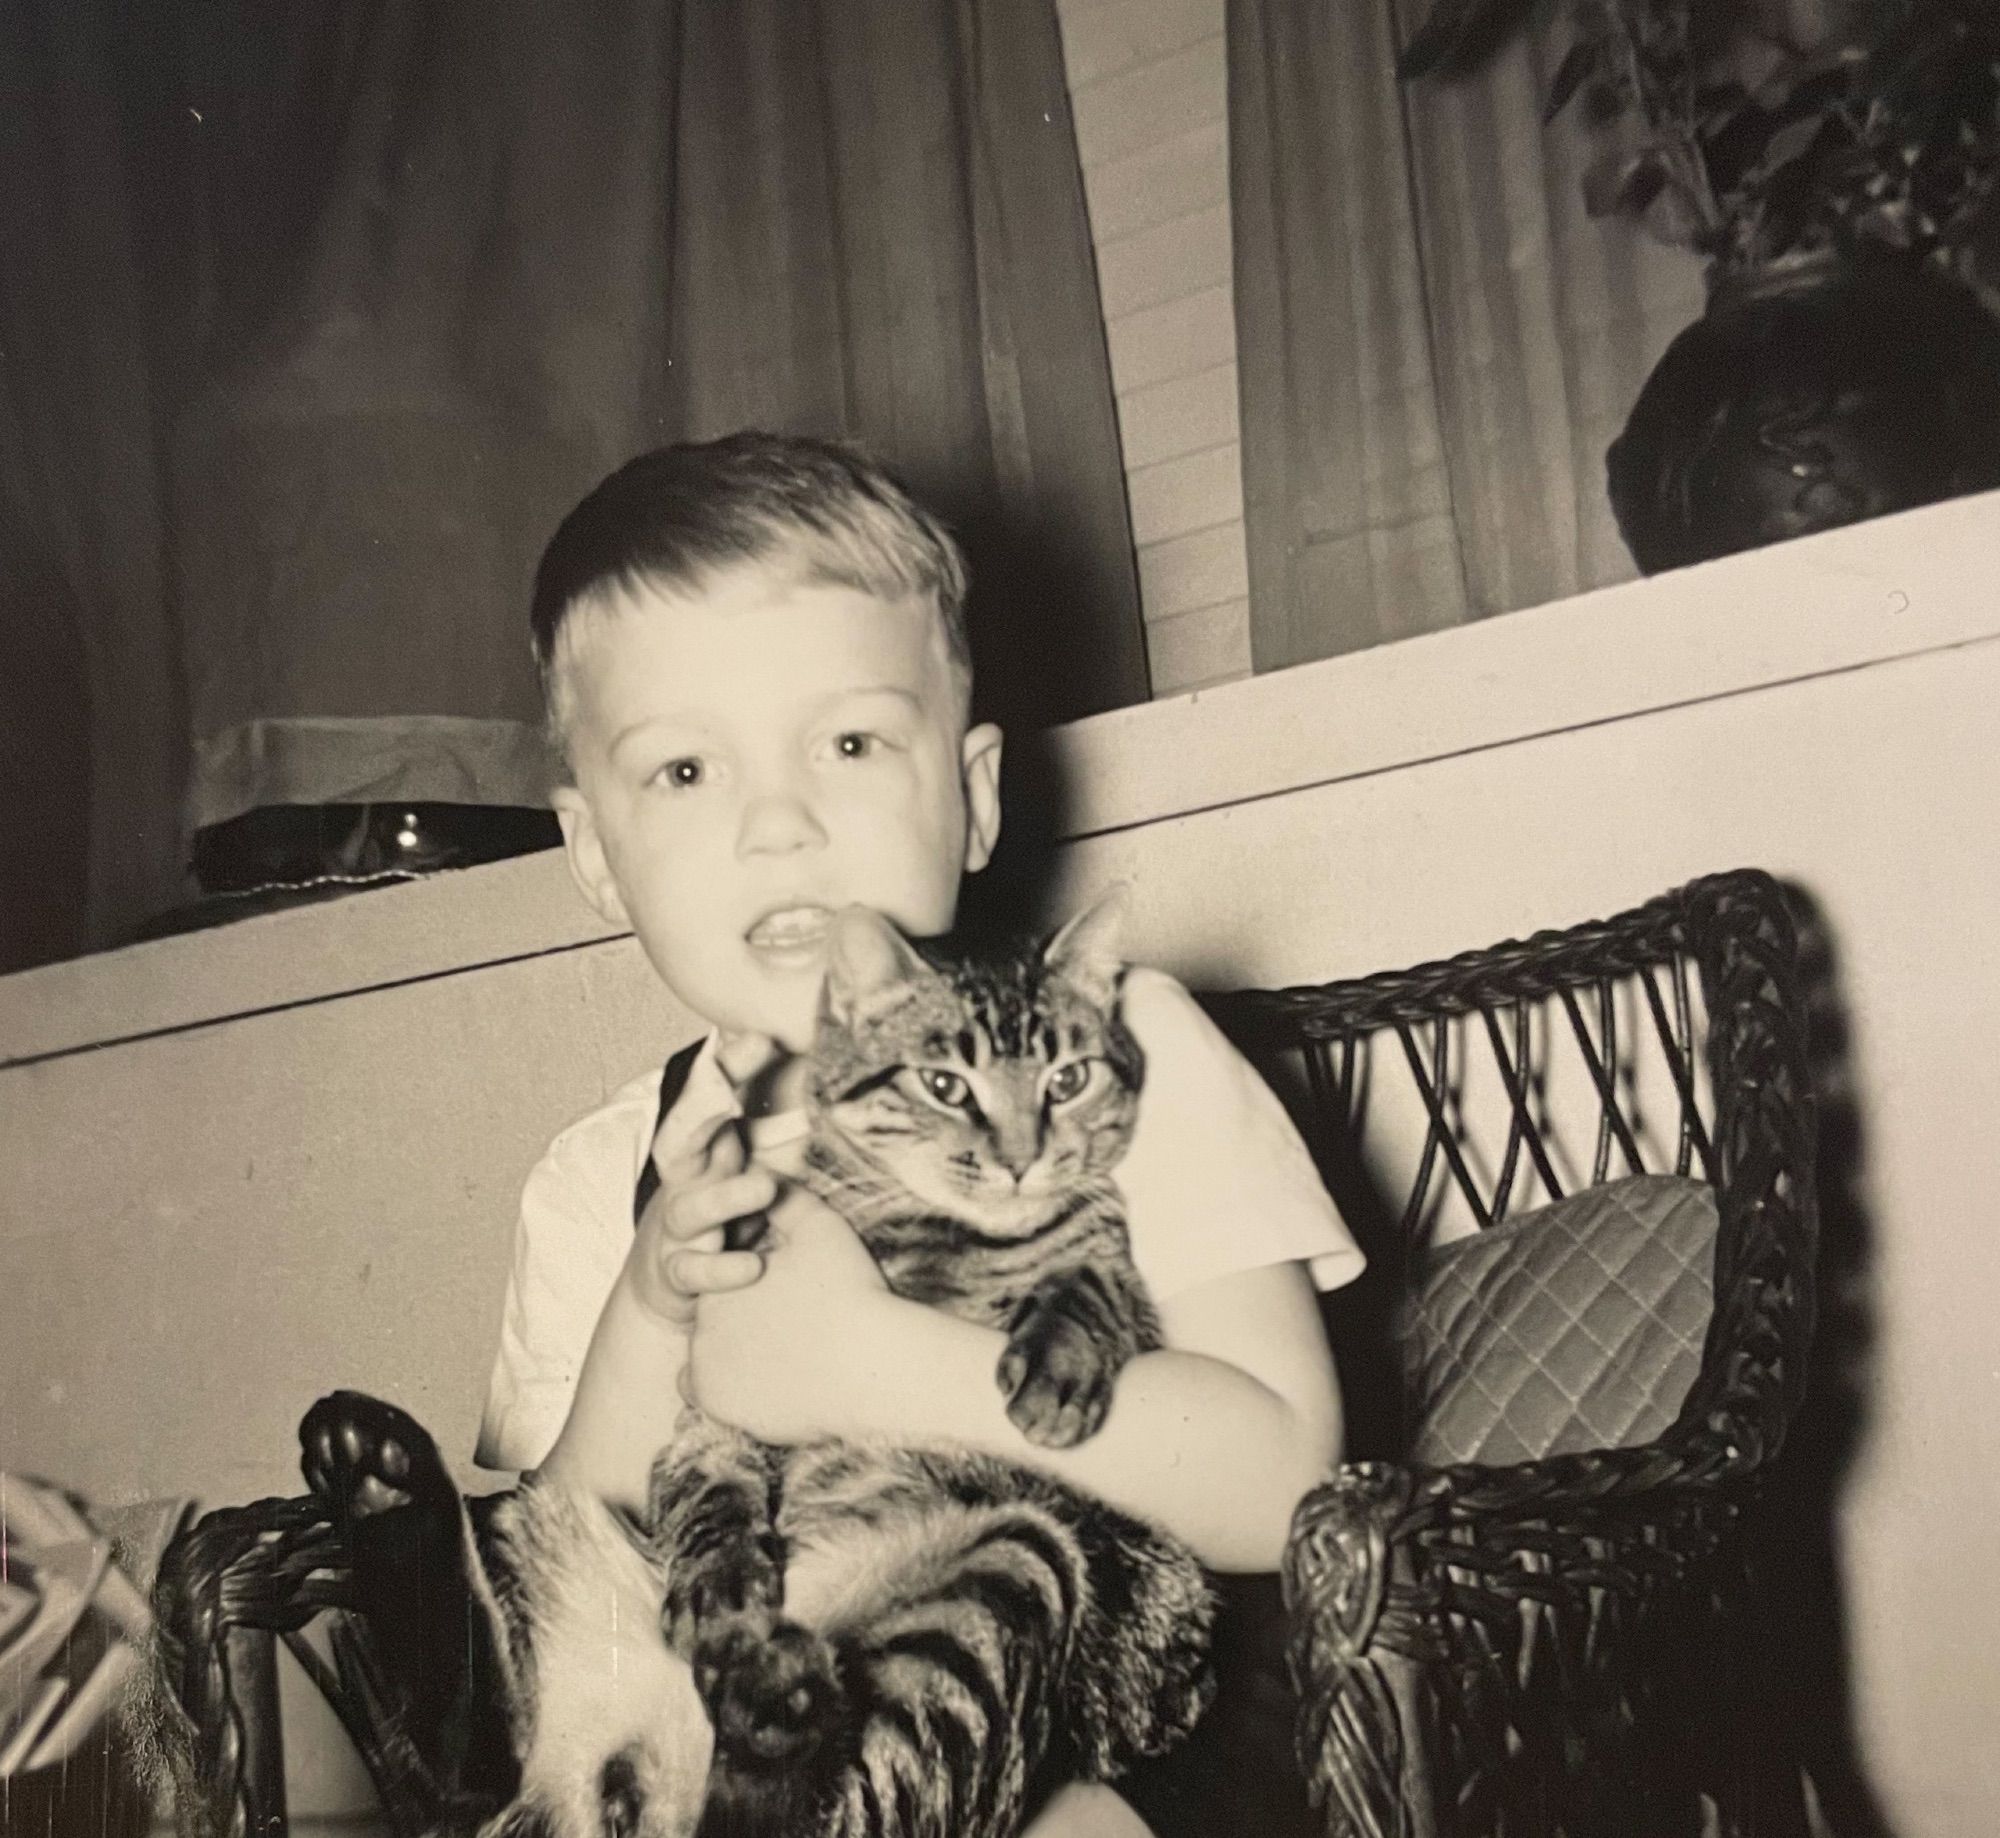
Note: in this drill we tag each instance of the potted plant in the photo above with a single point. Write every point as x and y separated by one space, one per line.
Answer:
1846 199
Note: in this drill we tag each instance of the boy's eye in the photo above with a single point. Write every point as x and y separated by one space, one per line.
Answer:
854 745
681 773
946 1087
1068 1081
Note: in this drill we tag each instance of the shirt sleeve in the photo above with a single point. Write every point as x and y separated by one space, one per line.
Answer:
569 1247
1216 1179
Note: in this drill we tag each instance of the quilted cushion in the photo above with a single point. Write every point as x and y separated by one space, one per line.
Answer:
1577 1326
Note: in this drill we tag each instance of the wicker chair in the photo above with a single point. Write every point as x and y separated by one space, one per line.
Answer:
1564 1645
1558 1645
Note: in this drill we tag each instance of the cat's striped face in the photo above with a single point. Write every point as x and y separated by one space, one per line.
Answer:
985 1088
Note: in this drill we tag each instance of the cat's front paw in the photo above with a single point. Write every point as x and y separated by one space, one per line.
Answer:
1057 1376
749 1578
363 1456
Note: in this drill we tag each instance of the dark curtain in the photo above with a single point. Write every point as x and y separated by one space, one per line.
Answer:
315 318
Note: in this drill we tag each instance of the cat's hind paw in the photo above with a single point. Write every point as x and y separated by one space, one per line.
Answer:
364 1456
773 1693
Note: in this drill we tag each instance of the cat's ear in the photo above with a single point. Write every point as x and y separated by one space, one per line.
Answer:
1086 950
867 959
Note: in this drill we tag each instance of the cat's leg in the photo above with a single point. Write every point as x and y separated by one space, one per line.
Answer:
711 1518
1068 1340
924 1689
419 1588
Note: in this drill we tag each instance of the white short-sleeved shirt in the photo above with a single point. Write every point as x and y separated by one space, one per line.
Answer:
1215 1181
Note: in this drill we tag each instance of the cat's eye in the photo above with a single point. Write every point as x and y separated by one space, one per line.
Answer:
1068 1081
945 1087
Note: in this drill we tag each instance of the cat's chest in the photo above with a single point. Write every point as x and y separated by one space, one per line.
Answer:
984 1289
932 1257
944 1264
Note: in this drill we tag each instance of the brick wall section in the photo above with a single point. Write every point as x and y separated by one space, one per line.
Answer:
1147 88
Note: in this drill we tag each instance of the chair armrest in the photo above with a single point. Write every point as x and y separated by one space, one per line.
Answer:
225 1587
1455 1631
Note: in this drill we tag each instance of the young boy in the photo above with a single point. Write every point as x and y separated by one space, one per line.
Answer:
755 659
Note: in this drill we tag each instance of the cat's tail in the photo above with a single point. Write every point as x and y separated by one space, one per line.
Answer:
1143 1674
1135 1674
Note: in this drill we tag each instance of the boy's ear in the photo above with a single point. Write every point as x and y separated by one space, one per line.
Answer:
584 849
866 960
1087 949
979 761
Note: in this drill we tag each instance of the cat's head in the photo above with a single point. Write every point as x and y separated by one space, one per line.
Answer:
985 1085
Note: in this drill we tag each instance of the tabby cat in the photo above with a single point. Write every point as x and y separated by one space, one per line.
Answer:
896 1643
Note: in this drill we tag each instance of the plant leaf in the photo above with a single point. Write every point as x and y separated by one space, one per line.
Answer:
1814 81
1716 103
1645 183
1672 219
1603 102
1623 180
1789 143
1576 69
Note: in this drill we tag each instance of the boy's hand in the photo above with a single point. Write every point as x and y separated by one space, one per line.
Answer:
677 1256
778 1360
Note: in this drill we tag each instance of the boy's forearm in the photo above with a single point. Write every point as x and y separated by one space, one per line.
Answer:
627 1401
1200 1447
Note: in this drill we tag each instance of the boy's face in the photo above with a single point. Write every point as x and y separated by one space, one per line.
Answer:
754 755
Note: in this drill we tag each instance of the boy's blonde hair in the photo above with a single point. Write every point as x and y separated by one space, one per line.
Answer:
672 519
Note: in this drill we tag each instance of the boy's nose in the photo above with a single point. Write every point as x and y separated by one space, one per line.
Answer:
776 823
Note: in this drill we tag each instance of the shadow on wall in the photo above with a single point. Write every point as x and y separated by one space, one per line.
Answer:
1005 898
1796 1539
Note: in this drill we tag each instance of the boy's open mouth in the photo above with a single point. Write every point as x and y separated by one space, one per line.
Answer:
790 928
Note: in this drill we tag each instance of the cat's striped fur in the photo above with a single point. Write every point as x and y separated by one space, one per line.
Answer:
886 1643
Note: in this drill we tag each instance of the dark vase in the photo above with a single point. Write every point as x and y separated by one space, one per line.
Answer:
1814 393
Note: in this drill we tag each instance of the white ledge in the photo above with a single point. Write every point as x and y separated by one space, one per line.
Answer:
1896 587
1867 595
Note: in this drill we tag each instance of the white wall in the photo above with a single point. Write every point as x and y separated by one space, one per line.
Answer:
1148 94
201 1230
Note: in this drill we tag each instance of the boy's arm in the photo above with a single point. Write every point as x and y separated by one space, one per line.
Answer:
629 1387
627 1397
1216 1437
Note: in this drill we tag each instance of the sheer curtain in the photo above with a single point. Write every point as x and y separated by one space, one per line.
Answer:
313 320
1437 342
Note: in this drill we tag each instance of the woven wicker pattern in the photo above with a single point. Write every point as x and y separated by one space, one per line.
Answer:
1577 1326
1560 1645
